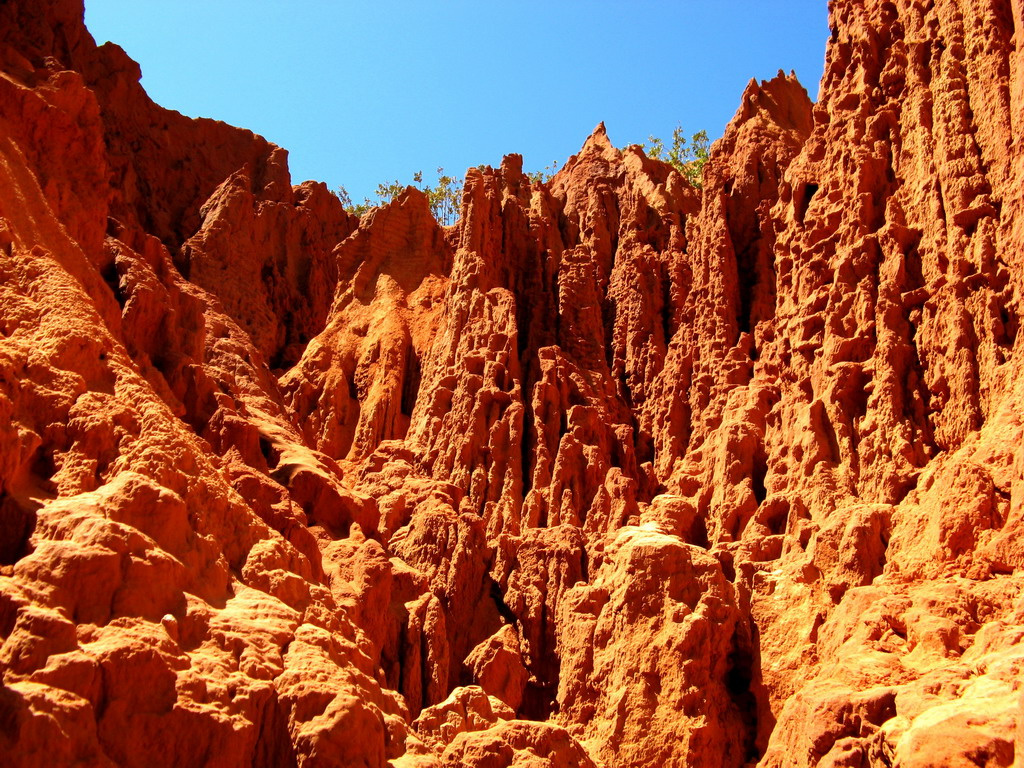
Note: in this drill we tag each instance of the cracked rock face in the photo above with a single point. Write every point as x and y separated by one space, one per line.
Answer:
612 472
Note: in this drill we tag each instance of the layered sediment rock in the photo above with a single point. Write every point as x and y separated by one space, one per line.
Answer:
613 471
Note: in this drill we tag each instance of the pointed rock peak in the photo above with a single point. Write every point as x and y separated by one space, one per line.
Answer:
781 100
598 139
410 202
414 194
787 102
512 164
783 84
748 104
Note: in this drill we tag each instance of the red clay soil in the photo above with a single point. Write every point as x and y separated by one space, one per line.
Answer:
613 472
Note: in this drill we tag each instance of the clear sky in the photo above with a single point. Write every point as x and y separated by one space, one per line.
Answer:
363 92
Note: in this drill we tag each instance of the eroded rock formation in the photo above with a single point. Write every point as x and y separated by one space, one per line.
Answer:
612 472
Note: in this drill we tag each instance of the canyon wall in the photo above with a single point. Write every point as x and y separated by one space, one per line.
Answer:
612 472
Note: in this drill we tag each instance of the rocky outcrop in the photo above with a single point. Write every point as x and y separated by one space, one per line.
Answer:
613 471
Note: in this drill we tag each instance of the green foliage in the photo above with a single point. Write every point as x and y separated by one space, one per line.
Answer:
444 196
389 191
544 174
657 148
687 157
357 209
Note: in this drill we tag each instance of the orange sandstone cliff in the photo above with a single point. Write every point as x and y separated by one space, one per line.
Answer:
613 472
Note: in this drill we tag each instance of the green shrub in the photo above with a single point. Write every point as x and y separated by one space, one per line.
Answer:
687 157
444 196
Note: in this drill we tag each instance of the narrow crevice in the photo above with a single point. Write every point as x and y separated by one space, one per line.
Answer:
17 523
757 476
802 200
775 516
270 453
500 605
1010 324
112 278
738 681
527 443
698 535
273 748
746 280
539 697
395 669
538 701
608 312
656 230
410 383
743 685
666 308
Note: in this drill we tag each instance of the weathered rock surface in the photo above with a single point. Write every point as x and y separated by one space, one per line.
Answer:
612 472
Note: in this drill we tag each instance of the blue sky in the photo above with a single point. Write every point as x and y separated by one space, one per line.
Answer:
364 92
